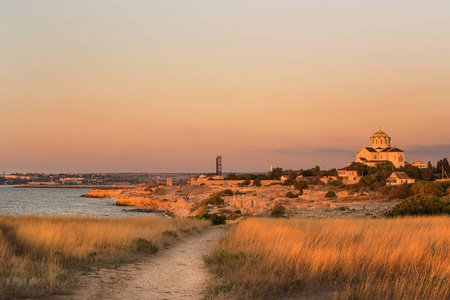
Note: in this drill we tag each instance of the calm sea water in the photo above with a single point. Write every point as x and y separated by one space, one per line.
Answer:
59 201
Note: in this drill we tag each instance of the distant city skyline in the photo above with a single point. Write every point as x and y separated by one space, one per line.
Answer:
166 86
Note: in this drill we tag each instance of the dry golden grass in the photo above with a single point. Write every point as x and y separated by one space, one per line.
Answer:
35 250
406 258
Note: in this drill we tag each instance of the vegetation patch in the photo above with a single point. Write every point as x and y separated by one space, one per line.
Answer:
297 258
330 194
38 253
427 188
421 205
145 246
214 218
278 211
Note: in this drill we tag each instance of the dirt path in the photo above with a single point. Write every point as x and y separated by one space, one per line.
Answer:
174 273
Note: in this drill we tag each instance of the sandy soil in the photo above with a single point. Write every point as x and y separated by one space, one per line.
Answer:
174 273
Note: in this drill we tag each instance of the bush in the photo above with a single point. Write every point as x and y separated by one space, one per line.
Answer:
402 191
385 190
246 182
300 185
289 181
215 200
257 182
330 194
225 193
278 211
291 195
420 205
444 184
215 218
427 188
367 180
315 182
145 246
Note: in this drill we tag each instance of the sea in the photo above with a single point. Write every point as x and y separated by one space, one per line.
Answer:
57 201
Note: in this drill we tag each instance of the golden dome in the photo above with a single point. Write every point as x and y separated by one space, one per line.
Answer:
380 133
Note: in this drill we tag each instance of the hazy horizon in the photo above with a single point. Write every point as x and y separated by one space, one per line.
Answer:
165 86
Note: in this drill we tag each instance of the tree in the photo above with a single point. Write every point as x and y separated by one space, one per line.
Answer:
426 174
411 171
275 174
292 174
231 176
443 165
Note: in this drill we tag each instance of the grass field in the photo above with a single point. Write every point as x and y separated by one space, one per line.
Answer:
36 252
405 258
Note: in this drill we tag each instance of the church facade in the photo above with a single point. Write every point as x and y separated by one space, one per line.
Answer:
380 151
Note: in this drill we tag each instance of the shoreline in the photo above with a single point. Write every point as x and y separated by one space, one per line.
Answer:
56 186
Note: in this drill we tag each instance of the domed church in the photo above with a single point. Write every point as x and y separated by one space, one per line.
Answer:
380 151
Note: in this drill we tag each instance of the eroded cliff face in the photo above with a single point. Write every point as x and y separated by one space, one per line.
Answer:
130 200
103 193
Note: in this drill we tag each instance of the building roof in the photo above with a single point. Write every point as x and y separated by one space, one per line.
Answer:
350 168
380 133
370 149
400 175
392 149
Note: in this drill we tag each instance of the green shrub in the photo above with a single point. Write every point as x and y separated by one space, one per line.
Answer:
215 218
367 180
225 193
420 205
427 188
402 191
300 185
170 233
291 195
444 184
145 246
385 190
278 211
289 181
257 182
330 194
246 182
315 182
215 200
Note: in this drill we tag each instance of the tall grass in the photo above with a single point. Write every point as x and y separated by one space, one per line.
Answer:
36 251
405 258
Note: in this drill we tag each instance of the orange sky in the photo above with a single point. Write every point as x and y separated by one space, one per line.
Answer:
109 86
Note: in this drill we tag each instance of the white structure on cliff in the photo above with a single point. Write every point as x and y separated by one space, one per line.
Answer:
380 150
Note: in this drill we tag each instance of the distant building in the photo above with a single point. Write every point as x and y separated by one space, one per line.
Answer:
349 175
418 164
398 178
71 180
380 151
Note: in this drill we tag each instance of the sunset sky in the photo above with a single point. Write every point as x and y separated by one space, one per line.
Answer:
165 86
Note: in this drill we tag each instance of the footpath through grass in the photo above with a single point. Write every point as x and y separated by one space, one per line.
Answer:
403 258
37 253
